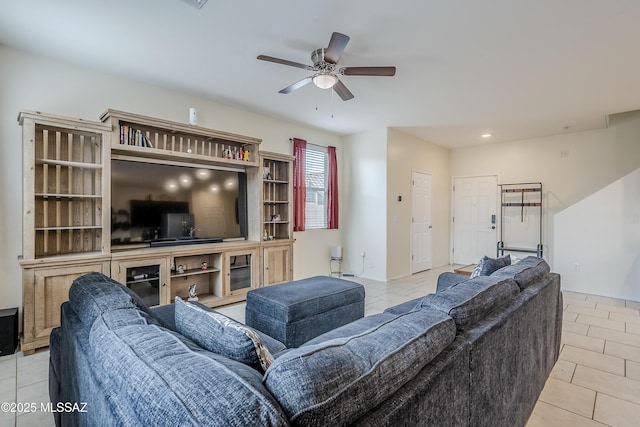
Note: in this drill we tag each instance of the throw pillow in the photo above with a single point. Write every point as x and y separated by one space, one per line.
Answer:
221 335
486 266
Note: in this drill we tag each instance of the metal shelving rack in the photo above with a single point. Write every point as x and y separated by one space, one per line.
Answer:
530 196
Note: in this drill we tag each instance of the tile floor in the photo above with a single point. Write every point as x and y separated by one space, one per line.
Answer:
596 382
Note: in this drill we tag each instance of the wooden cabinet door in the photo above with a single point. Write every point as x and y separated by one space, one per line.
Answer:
44 292
277 265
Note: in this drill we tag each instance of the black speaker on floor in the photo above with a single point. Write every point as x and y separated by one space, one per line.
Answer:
8 331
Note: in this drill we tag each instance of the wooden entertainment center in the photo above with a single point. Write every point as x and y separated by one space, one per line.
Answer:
68 214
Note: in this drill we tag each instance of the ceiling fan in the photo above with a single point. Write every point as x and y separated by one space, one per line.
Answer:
325 69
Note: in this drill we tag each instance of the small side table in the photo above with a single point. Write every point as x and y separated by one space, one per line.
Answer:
466 270
337 260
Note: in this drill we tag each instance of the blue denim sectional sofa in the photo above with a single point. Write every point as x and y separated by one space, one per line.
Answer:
475 354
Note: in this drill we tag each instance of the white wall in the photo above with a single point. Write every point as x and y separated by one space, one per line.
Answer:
573 167
593 160
365 207
597 241
406 154
30 82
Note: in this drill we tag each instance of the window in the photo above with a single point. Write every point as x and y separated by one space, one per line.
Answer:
316 172
315 186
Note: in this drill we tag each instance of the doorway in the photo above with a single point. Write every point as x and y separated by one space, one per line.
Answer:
421 226
474 218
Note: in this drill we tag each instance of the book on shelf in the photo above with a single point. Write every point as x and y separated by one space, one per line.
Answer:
135 137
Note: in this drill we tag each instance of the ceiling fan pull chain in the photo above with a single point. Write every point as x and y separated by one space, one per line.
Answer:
332 104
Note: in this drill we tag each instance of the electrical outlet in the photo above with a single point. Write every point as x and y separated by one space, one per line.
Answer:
576 267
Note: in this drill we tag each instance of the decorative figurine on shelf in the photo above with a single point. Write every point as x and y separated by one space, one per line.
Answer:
246 156
204 265
266 174
180 269
265 235
193 292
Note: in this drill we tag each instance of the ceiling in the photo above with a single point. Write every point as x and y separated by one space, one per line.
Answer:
516 69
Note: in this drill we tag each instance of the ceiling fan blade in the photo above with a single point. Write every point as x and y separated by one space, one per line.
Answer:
336 46
368 71
297 85
284 62
342 91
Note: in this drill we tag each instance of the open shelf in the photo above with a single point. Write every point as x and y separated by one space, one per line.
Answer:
209 299
64 191
276 197
156 139
195 272
208 282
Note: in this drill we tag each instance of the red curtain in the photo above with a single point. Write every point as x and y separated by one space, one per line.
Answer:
299 184
332 190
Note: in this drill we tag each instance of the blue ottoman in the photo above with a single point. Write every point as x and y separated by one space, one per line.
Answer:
295 312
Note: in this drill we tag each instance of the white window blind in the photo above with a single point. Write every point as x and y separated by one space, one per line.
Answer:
316 177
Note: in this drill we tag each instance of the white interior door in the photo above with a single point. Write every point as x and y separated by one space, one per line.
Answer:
474 218
421 227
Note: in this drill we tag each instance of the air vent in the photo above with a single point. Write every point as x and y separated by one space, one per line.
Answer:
196 3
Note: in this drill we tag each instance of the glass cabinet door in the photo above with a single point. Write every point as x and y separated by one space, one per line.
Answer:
145 278
241 271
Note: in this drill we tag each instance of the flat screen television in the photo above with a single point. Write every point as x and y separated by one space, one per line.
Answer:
148 213
141 193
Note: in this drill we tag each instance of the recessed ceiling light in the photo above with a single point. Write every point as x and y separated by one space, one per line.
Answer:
486 135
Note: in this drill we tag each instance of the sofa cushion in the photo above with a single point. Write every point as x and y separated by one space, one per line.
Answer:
487 265
337 381
176 382
404 307
472 300
526 272
354 328
166 314
92 294
449 279
222 335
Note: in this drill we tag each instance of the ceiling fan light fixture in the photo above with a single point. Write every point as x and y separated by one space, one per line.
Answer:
325 80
